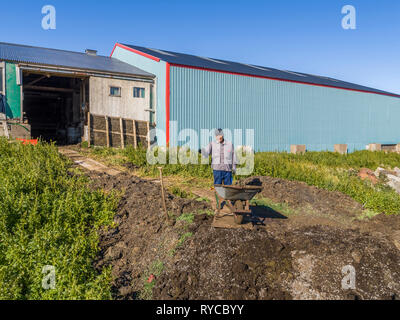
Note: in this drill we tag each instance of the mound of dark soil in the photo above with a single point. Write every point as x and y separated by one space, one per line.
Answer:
228 265
142 235
306 262
300 195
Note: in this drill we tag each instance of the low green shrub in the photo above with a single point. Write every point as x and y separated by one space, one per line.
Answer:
49 217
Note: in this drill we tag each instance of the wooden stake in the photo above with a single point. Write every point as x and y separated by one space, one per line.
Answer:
89 129
134 133
162 193
107 132
122 133
148 135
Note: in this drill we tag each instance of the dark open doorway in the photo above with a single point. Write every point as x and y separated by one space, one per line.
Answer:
54 105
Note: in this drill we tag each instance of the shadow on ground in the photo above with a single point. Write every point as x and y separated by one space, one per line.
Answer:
260 214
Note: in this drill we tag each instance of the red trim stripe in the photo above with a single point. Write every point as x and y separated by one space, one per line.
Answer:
277 79
134 51
167 101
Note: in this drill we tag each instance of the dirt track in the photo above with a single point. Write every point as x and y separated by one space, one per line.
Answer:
296 258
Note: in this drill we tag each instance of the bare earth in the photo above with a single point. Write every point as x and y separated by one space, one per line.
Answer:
294 256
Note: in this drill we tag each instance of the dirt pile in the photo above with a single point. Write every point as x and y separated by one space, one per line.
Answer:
324 256
142 236
308 263
300 195
228 265
277 261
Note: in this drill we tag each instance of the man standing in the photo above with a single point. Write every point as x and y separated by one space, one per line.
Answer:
223 159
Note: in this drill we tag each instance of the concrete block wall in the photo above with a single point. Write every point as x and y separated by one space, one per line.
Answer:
375 147
297 149
341 148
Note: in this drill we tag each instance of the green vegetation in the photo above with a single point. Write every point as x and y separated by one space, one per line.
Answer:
282 208
49 217
333 172
185 220
208 212
355 160
149 280
203 199
187 217
176 191
183 238
367 215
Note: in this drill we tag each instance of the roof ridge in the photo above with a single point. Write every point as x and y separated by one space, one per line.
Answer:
244 63
21 53
52 49
344 83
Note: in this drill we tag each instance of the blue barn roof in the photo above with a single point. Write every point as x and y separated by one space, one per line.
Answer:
252 70
69 59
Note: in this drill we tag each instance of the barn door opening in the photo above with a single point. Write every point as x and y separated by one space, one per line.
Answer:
53 106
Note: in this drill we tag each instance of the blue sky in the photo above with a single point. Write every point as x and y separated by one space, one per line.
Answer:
303 36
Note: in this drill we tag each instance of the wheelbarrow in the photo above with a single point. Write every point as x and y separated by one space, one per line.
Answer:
237 200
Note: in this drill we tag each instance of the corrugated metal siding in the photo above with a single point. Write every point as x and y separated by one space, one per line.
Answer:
156 68
282 113
13 93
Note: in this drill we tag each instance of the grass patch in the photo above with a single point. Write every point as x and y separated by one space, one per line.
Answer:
282 208
183 238
203 199
367 215
186 217
207 212
149 280
180 193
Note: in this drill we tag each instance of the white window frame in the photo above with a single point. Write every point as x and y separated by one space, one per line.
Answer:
3 76
141 88
114 96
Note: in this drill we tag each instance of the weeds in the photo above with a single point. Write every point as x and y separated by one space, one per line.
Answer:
183 238
367 215
186 217
203 199
149 280
282 208
176 191
49 217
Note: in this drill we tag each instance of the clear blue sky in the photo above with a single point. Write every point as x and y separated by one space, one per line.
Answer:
303 36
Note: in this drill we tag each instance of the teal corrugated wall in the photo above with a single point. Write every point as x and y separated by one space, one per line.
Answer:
282 113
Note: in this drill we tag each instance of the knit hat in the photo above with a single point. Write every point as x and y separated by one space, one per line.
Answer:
219 132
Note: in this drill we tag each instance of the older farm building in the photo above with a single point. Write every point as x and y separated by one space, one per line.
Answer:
283 107
65 96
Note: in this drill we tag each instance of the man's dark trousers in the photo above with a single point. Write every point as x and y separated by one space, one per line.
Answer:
225 176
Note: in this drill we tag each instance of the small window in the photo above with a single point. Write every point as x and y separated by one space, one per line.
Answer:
115 91
138 92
